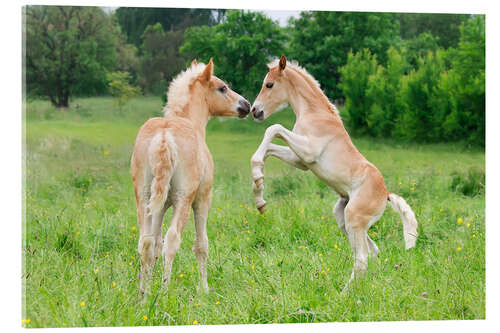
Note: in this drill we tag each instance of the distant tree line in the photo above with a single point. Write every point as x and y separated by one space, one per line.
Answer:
413 76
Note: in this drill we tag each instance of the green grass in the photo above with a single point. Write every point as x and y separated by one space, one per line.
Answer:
289 265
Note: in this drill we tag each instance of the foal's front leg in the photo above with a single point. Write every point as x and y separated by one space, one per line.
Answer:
299 153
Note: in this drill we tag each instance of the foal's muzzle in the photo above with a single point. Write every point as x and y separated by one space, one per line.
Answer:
257 113
243 108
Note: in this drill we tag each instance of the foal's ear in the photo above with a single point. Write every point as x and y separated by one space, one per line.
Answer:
207 72
282 62
194 63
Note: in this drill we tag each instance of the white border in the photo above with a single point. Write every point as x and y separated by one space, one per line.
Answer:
11 151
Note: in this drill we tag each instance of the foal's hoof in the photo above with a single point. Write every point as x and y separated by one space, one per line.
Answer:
262 208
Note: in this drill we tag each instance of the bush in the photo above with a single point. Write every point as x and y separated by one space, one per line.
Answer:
120 88
442 97
355 77
383 92
418 120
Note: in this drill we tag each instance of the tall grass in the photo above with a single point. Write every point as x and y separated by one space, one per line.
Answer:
81 266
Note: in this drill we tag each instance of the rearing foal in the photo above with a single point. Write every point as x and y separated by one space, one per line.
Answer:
319 142
172 166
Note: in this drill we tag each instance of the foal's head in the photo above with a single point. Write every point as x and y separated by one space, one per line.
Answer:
220 99
273 93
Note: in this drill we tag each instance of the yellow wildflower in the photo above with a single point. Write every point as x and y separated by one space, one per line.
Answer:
144 317
468 224
459 248
134 228
459 221
336 246
320 254
217 303
82 303
96 271
106 152
181 275
195 322
113 284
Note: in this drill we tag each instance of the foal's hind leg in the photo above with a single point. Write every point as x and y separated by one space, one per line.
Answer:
145 247
356 227
338 212
157 223
172 240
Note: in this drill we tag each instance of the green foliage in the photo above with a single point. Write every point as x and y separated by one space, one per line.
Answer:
418 47
417 120
322 41
436 96
465 83
241 46
120 88
134 21
355 79
470 184
383 92
161 59
445 28
68 51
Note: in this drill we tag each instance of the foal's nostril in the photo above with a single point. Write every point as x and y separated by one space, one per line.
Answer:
253 109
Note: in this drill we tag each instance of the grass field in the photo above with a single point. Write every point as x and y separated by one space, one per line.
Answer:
80 234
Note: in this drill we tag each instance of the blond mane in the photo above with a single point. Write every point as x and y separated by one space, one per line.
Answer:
178 93
309 78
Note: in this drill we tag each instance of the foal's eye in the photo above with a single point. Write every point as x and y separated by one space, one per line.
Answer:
269 85
223 89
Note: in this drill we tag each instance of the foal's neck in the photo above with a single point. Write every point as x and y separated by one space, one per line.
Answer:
306 97
196 110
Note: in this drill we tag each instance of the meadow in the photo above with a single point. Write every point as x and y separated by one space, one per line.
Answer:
80 233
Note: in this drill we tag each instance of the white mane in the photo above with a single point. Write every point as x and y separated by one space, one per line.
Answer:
295 65
178 91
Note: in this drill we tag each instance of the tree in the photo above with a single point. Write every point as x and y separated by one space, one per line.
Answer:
241 47
160 59
68 51
127 58
134 21
321 42
120 88
444 27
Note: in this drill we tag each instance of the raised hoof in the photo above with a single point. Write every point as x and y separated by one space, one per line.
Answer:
262 208
259 182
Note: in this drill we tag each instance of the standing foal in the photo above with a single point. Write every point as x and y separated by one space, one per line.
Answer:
319 142
172 166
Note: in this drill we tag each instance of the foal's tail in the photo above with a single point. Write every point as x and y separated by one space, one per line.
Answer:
409 221
162 151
